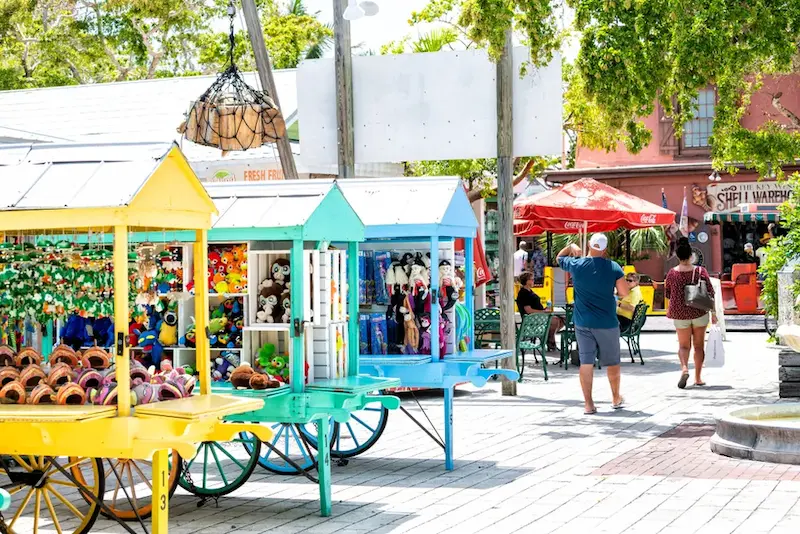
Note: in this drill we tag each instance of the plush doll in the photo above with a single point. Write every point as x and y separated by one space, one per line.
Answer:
418 280
451 285
265 354
151 346
425 333
278 367
396 278
281 272
286 306
240 378
234 283
411 340
214 259
189 340
269 303
444 332
168 329
216 326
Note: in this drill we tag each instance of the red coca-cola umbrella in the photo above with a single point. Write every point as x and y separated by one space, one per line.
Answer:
535 228
589 201
482 273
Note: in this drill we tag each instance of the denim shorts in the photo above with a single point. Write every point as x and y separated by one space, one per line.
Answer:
598 342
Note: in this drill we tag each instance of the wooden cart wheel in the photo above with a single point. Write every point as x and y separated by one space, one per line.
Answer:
136 477
357 435
289 440
220 468
44 498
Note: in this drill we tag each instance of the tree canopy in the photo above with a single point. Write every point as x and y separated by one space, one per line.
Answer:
61 42
636 52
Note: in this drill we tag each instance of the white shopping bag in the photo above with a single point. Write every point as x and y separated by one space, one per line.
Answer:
715 351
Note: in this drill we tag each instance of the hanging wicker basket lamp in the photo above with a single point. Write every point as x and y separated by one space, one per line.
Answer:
231 115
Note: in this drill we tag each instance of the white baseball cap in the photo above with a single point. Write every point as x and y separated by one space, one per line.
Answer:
598 242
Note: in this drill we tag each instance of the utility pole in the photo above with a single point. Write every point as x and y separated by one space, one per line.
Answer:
264 68
505 206
343 58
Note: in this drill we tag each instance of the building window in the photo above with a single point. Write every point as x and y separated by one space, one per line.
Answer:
697 131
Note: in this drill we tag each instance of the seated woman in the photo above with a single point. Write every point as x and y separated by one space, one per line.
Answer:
627 305
529 302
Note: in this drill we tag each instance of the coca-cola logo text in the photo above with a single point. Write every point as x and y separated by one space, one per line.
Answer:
648 218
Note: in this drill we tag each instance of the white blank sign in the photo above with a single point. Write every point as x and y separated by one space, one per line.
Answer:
431 106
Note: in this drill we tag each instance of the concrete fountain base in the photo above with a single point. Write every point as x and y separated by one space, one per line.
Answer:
765 433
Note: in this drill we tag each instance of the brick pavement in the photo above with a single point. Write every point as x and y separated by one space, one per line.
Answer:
535 463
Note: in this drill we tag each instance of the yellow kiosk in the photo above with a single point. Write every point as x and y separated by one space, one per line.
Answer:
50 454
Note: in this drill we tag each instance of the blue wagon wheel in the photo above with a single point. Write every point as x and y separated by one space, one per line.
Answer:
292 441
359 433
219 468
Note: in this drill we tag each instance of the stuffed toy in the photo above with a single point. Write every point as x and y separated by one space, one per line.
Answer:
214 260
278 367
240 378
281 272
286 306
411 340
168 329
265 354
216 326
425 333
262 381
190 338
269 304
234 282
396 278
418 280
151 346
444 333
451 285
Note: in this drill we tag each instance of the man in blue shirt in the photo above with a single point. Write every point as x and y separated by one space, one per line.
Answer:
594 279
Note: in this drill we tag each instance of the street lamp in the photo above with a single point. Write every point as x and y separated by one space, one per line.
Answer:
357 10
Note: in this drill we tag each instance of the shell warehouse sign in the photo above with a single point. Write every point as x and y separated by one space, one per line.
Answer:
724 197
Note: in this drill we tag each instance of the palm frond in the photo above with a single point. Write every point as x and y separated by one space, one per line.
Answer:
434 40
318 49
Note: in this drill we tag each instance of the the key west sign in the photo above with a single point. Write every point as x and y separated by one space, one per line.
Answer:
724 197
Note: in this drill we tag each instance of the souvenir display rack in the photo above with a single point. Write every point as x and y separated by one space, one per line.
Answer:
111 189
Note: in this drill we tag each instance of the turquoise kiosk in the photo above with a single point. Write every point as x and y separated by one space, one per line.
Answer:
290 225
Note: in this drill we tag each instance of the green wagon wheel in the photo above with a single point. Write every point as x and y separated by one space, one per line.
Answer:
44 499
220 468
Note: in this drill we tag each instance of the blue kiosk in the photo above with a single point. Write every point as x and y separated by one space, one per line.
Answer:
417 220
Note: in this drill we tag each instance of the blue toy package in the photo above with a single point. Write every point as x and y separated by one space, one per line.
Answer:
369 276
363 333
377 327
383 261
363 292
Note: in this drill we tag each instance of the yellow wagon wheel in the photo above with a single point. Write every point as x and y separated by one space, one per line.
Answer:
132 492
44 499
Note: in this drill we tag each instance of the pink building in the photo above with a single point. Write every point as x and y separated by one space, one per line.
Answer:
672 164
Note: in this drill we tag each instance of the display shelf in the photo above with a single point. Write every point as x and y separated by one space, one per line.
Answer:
267 327
354 384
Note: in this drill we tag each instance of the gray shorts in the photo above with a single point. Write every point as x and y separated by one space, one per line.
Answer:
598 342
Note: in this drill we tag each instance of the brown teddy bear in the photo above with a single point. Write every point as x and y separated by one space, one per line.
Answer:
240 378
